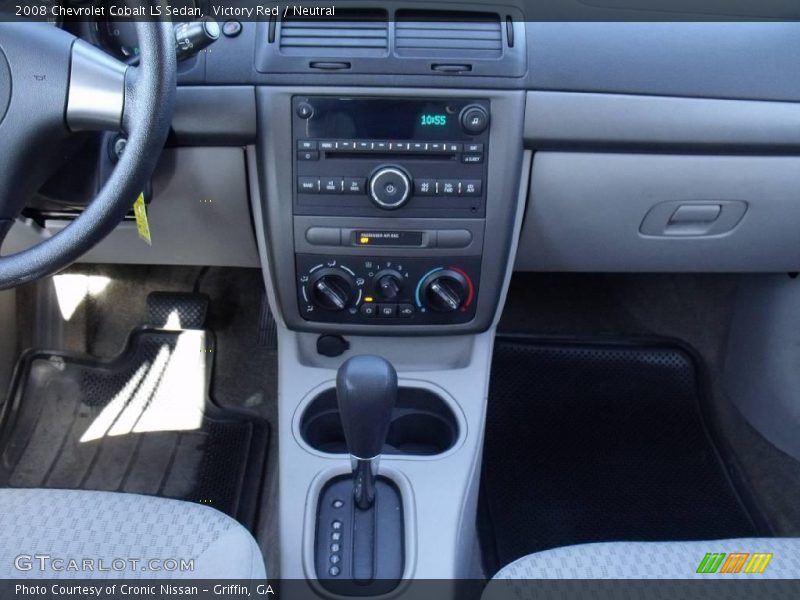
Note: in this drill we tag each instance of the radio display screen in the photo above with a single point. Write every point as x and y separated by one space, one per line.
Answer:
395 119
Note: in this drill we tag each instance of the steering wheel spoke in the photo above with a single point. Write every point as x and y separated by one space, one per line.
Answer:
96 93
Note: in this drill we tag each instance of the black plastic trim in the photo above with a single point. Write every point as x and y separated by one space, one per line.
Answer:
218 116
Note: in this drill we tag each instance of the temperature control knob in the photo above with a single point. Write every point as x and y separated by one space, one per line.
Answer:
332 289
445 290
390 187
388 284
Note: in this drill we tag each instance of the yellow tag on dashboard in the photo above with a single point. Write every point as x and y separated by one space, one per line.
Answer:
142 225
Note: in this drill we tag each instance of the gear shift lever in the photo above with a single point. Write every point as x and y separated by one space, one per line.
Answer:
367 556
366 390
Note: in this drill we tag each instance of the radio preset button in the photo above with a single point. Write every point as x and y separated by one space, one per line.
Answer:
331 185
399 146
354 185
308 185
425 187
435 147
380 146
346 145
363 146
418 146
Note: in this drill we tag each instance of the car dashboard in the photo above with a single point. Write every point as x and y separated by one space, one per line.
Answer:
387 169
389 165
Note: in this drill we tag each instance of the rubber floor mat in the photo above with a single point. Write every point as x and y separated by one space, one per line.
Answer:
599 442
139 423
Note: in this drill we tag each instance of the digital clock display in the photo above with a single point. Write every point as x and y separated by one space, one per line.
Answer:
433 120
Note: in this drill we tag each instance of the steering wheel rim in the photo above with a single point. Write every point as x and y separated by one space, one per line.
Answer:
148 96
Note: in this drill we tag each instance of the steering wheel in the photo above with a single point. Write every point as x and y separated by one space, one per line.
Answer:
53 84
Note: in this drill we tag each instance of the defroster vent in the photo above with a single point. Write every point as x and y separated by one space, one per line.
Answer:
352 33
448 34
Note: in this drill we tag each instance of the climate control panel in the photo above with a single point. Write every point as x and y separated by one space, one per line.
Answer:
389 291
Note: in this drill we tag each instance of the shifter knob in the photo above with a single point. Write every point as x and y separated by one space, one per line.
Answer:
366 390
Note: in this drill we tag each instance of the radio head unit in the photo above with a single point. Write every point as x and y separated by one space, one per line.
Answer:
378 157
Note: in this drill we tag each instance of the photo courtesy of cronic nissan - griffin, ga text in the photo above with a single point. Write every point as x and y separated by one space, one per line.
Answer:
399 299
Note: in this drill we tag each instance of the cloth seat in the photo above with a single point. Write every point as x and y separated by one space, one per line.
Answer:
656 560
76 534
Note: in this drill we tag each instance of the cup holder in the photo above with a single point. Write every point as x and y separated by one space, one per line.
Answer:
422 424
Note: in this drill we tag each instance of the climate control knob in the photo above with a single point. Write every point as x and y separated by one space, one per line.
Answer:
445 290
332 289
388 284
390 187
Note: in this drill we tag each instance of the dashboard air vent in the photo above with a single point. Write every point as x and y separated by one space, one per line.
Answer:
448 34
352 33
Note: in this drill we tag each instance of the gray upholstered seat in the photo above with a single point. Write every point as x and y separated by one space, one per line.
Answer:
76 534
655 560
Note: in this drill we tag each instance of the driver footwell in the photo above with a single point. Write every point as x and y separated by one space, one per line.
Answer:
602 441
139 423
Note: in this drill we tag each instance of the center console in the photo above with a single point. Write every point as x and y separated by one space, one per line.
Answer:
388 216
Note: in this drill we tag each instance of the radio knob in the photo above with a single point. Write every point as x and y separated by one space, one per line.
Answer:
305 110
390 187
474 119
445 291
332 289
